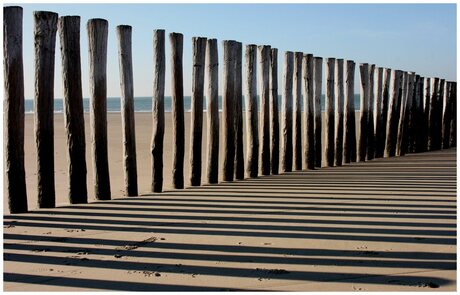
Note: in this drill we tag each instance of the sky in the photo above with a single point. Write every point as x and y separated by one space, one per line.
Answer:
411 37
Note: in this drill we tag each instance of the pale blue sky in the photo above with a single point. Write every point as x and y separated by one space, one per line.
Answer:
413 37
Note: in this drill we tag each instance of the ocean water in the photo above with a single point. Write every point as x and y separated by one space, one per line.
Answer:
144 104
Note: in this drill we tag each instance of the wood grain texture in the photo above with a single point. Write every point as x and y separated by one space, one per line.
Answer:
309 112
380 151
426 113
97 37
349 124
196 124
239 150
364 107
158 110
297 111
252 123
338 120
13 112
370 154
274 113
45 28
212 110
431 144
446 118
69 33
288 72
177 93
264 73
378 116
317 88
329 127
393 113
125 59
453 122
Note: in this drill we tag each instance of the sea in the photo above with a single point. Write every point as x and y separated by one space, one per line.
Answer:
144 104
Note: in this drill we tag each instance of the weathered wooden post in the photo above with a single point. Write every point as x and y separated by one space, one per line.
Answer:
338 91
127 109
228 107
297 120
329 128
403 135
45 27
393 113
402 112
177 94
287 111
239 153
252 122
414 116
318 78
309 112
97 37
446 118
370 154
419 129
349 141
196 124
274 113
432 114
158 109
69 33
385 103
264 70
13 128
378 118
426 113
212 110
453 122
364 107
438 119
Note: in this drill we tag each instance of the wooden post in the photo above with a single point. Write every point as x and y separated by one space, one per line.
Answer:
127 109
432 114
412 116
370 154
13 128
439 108
378 119
297 120
264 69
338 91
287 111
212 107
426 113
329 128
385 102
318 78
45 27
309 112
274 113
239 153
69 33
158 109
177 91
401 113
97 37
252 122
403 137
196 125
364 107
349 141
228 108
393 113
416 120
446 118
453 122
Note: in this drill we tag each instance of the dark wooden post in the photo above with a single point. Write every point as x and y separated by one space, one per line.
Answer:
127 109
287 111
349 141
177 91
432 114
329 128
297 113
378 119
196 125
69 33
309 112
370 154
402 113
97 36
453 122
264 70
438 119
385 102
364 107
228 107
158 109
239 152
274 113
403 137
338 112
13 128
318 78
393 113
446 118
419 123
45 27
252 122
212 107
413 116
426 112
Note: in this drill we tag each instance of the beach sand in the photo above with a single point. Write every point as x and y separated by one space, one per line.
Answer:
115 153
